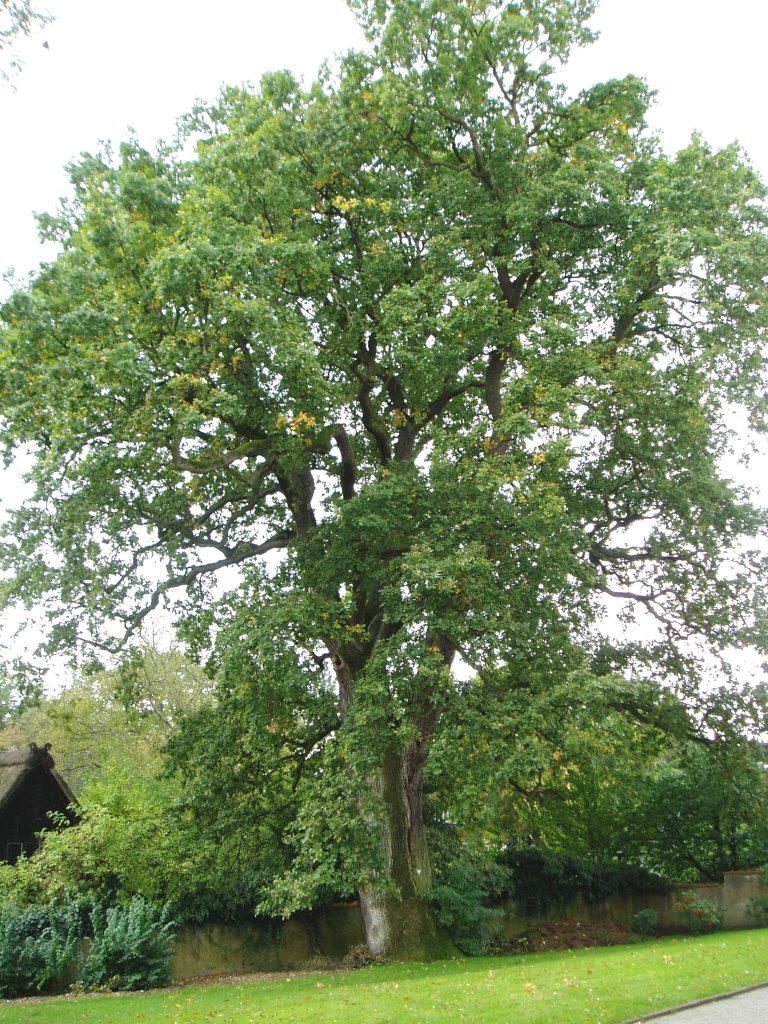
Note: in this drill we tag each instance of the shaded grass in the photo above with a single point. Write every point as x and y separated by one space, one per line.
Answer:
598 986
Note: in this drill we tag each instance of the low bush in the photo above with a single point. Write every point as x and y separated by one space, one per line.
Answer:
461 904
758 908
42 947
39 947
541 880
645 922
698 916
131 947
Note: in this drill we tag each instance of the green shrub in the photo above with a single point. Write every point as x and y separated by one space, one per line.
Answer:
699 916
131 947
606 878
39 947
460 904
118 852
758 907
644 922
541 879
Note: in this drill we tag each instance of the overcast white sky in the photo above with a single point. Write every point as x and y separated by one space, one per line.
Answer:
111 65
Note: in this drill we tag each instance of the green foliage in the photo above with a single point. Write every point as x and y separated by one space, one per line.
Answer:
42 946
645 922
608 770
20 687
107 727
462 904
706 809
540 880
137 834
39 947
115 851
697 914
239 762
142 844
758 908
457 352
130 948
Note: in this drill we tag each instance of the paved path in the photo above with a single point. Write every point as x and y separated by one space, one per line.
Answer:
744 1008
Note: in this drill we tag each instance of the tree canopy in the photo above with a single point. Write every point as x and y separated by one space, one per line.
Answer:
440 359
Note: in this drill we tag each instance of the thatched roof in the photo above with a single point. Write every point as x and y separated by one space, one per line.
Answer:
10 778
16 765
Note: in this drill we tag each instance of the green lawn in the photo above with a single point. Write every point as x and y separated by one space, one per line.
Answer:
597 986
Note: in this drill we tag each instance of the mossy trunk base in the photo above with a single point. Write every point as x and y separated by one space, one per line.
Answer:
398 921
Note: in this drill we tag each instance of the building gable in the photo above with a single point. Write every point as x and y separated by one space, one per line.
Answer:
30 790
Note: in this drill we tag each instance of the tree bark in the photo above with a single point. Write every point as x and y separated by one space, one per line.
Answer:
398 922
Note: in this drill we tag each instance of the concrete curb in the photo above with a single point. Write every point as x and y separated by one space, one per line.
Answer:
694 1003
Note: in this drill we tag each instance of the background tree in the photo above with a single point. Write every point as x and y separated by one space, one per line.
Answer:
705 806
17 18
109 724
609 771
20 686
459 347
140 833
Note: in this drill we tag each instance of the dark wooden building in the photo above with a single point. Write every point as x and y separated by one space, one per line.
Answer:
30 788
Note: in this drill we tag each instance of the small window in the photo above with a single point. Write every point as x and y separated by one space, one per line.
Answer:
15 850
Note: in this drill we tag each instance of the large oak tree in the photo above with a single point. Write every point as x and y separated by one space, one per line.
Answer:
440 358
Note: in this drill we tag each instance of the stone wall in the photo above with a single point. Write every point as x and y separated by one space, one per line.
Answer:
732 894
326 934
329 933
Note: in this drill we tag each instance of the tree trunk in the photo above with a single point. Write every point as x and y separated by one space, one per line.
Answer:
398 922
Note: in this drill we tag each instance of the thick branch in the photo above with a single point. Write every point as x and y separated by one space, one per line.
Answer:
623 324
372 424
243 451
348 468
493 376
298 490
